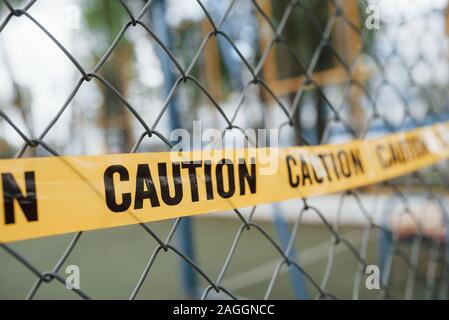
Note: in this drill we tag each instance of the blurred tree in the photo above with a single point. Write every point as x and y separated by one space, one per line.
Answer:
6 150
21 100
302 34
105 18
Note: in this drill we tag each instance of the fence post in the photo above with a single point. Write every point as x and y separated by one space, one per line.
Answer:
385 241
298 283
185 239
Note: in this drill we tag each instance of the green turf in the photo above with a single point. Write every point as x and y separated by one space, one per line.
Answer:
112 260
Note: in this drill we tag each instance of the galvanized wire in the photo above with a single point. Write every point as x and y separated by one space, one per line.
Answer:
380 65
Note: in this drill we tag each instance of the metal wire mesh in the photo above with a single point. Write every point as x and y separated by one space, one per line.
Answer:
337 102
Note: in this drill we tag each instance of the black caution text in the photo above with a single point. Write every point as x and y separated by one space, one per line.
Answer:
223 179
307 170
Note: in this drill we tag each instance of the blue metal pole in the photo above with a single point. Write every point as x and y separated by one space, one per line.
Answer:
185 238
385 239
298 281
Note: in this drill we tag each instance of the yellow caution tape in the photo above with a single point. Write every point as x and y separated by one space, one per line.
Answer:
48 196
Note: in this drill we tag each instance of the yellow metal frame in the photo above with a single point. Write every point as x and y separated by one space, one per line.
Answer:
345 40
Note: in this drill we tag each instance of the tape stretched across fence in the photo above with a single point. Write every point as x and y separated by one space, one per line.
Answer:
48 196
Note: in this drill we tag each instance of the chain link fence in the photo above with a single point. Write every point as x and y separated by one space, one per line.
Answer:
317 71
